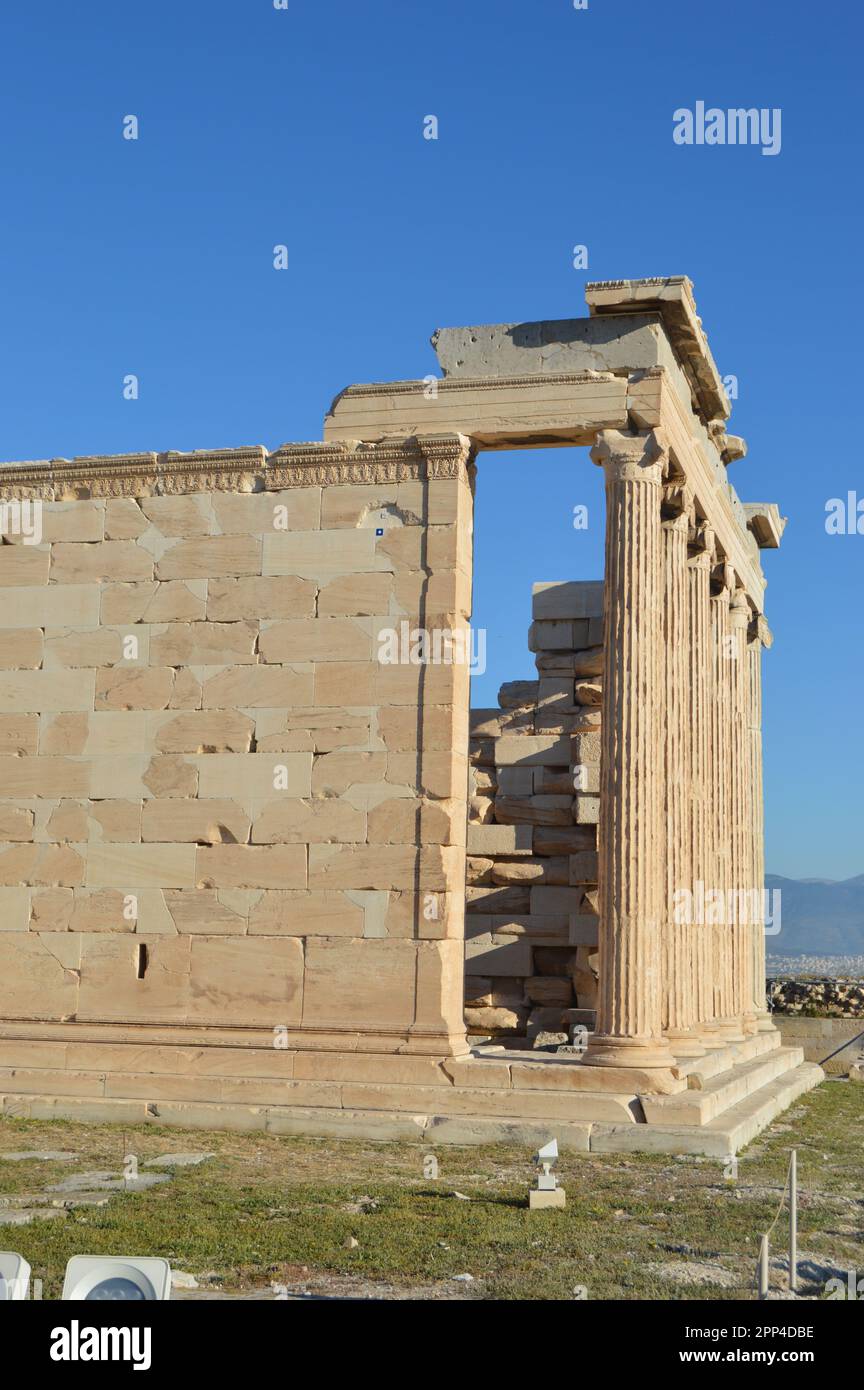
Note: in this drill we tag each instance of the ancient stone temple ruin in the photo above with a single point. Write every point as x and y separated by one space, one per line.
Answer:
247 843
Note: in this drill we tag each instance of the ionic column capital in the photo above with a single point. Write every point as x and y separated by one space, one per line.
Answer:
739 611
723 597
632 458
679 523
702 540
678 497
702 560
760 632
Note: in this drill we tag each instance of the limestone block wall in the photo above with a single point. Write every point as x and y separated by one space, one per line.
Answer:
218 807
531 908
836 1043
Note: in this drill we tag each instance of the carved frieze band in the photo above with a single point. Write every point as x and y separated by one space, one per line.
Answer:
239 470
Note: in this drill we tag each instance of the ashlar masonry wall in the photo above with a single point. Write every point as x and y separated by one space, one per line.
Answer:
218 809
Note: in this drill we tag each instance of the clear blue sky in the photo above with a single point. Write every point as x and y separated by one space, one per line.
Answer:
304 127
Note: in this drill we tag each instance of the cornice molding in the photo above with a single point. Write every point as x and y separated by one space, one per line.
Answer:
478 383
672 298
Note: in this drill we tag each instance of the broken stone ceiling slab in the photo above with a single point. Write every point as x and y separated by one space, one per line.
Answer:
766 523
551 346
672 298
729 446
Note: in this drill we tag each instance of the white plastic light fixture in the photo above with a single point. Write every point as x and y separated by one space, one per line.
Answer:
14 1277
116 1278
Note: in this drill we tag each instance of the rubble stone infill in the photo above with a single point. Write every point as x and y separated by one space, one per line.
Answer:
531 968
824 998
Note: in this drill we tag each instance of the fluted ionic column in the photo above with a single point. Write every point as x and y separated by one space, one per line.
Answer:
631 880
679 1012
759 637
701 774
740 839
718 896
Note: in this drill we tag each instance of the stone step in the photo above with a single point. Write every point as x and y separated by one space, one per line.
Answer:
740 1124
757 1045
562 1072
724 1135
699 1106
477 1089
720 1059
379 1125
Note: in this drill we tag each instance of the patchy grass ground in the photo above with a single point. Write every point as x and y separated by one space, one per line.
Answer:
267 1210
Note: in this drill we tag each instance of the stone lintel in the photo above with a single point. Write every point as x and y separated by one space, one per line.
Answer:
672 298
529 411
765 523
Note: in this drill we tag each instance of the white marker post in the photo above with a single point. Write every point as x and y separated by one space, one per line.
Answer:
763 1268
793 1222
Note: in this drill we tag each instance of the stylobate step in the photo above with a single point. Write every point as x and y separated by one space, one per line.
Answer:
724 1056
724 1135
699 1106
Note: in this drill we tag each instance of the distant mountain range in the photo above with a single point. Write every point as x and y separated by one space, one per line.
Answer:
819 916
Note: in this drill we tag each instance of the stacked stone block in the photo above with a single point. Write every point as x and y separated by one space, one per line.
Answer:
531 909
218 808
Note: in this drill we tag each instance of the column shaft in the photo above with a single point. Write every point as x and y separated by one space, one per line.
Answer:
759 637
679 1011
630 844
741 895
717 895
701 774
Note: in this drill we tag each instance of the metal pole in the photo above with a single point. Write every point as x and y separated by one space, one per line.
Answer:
763 1268
793 1222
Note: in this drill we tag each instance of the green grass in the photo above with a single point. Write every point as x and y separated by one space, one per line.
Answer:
269 1209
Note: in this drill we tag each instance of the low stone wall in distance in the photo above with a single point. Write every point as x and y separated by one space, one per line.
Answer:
824 998
823 1016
